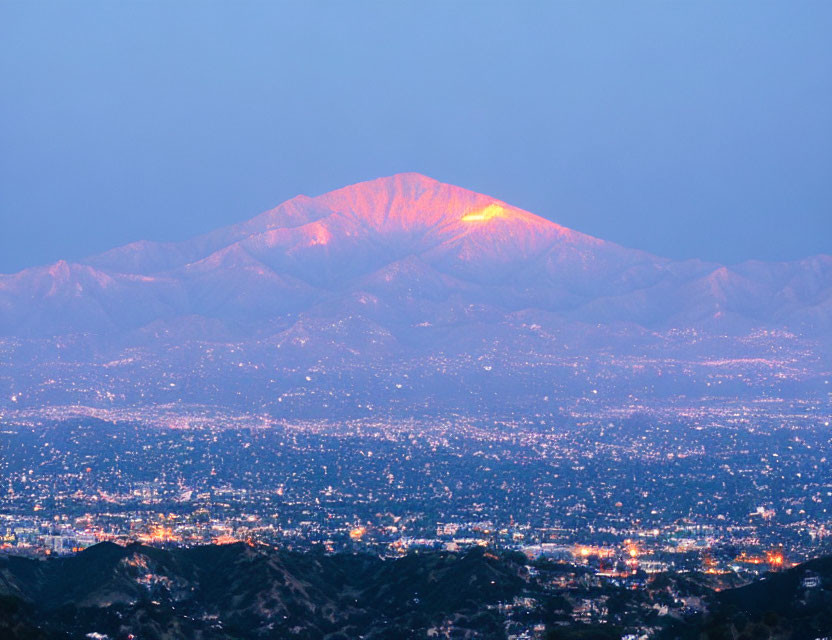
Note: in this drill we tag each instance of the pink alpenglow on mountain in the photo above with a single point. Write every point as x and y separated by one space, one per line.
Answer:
398 253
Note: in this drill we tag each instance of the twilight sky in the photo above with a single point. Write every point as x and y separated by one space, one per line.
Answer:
685 129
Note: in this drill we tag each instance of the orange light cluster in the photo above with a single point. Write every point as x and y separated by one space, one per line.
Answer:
586 551
775 559
158 534
747 559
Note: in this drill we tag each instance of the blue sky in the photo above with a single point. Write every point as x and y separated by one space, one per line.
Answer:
685 129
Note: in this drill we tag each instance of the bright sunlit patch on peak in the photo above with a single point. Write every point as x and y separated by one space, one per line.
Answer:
491 211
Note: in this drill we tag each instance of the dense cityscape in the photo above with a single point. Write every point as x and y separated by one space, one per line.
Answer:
720 490
626 494
724 494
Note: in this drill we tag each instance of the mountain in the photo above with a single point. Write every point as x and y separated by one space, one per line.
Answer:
403 267
404 240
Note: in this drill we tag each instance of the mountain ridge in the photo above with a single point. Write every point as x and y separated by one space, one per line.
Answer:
403 269
396 229
384 205
246 590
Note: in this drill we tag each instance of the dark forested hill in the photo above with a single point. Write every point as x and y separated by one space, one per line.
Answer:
239 591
